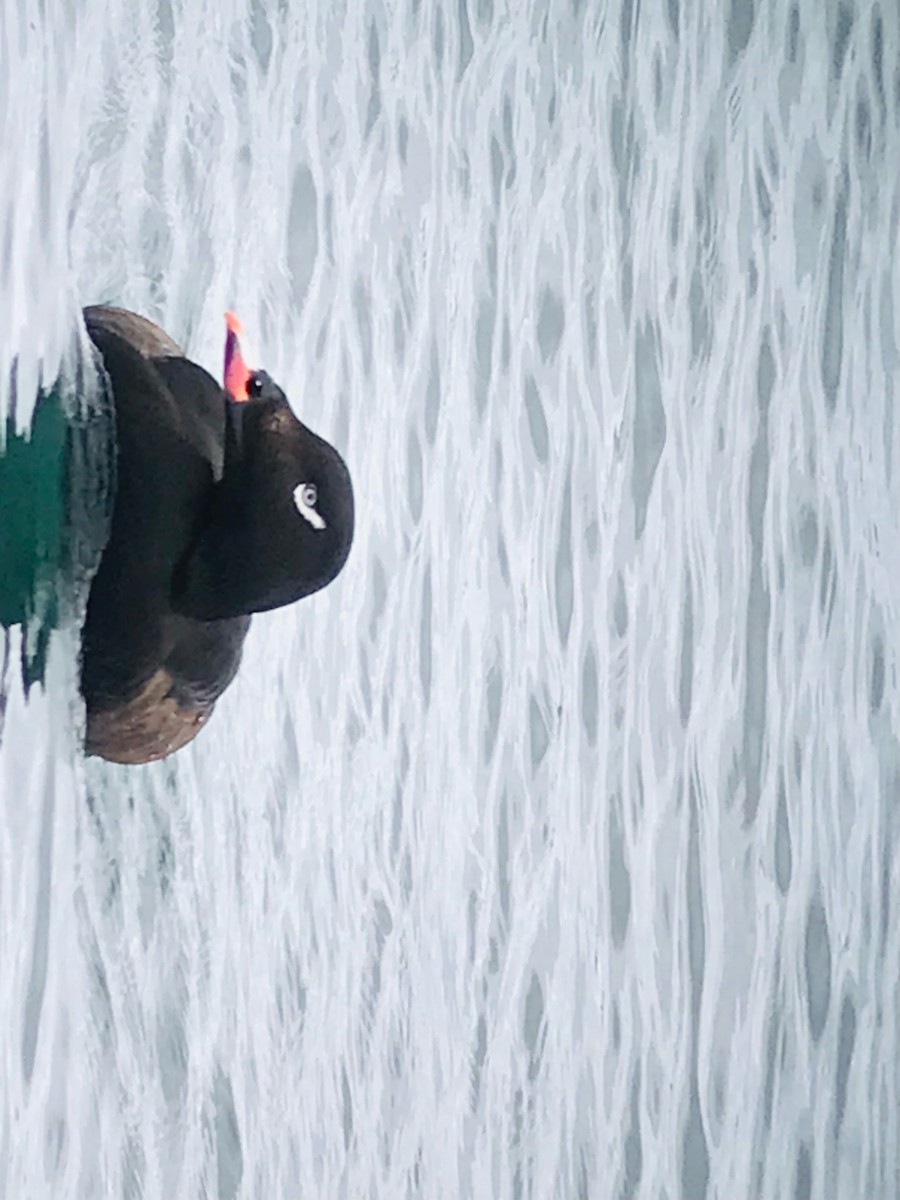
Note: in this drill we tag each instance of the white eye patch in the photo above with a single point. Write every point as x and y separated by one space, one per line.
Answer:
305 497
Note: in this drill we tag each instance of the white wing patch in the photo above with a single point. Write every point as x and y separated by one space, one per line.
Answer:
305 500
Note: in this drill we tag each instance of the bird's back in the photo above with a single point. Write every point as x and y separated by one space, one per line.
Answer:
149 675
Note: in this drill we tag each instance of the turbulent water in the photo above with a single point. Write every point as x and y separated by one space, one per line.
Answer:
553 850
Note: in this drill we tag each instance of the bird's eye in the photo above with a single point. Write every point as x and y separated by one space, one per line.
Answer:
254 385
305 496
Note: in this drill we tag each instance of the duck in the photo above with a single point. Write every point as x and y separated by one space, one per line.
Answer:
225 505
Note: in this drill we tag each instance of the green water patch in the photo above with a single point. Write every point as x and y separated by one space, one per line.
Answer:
32 486
56 485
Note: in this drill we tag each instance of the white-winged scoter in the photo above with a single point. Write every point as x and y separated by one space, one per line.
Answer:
225 505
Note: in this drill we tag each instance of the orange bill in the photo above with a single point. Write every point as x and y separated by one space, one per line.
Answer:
237 370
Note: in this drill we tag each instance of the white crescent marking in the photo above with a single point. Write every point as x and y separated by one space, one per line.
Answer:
306 510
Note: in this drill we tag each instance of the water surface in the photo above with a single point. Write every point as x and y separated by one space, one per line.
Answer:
552 850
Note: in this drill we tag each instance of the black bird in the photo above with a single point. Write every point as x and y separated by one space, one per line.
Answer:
225 505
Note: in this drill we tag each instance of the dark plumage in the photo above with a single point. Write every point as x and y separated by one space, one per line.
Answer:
225 505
